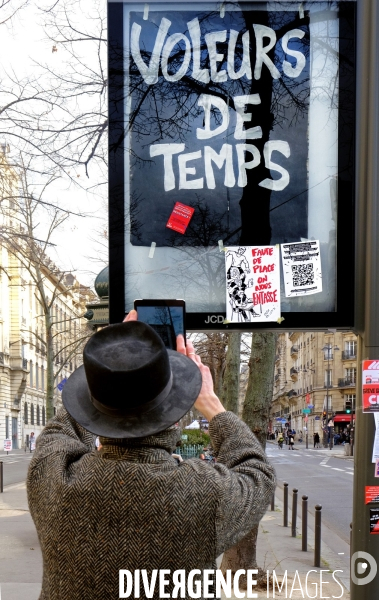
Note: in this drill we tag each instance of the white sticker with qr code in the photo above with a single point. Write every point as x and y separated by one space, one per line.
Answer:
301 268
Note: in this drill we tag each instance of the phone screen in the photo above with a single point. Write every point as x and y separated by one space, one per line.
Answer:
167 320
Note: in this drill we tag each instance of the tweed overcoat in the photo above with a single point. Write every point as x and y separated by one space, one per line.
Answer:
131 506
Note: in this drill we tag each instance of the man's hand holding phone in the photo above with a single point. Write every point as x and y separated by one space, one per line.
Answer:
207 402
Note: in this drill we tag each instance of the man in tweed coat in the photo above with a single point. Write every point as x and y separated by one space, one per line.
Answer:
131 506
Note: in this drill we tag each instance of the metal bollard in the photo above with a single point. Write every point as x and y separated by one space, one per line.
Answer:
285 504
294 511
306 441
318 508
304 524
1 477
351 535
273 501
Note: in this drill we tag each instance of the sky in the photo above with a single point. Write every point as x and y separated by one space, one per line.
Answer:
21 43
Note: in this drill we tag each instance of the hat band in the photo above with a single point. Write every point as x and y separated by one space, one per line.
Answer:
146 407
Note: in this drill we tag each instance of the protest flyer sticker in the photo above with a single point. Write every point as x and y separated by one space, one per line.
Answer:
252 284
301 268
371 494
180 217
374 520
370 386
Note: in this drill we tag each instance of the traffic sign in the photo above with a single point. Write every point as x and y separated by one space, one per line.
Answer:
306 410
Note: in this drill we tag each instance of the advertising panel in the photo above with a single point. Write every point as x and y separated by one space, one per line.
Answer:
231 125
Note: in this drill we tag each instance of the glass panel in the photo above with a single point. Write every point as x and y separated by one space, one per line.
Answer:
232 112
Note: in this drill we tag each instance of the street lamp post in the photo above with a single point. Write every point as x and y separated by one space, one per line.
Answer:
330 429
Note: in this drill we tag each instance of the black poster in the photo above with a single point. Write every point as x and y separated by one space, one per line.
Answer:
218 111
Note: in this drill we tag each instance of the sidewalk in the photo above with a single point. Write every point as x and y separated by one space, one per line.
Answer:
20 554
335 452
21 561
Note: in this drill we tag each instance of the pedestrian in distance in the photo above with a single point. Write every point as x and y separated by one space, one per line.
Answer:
291 442
127 506
316 440
280 441
32 441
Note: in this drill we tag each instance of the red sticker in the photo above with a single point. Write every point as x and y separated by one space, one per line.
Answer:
180 217
371 493
374 520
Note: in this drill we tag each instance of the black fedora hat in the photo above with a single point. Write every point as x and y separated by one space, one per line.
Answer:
130 385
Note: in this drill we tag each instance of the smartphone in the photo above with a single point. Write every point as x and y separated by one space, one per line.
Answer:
167 317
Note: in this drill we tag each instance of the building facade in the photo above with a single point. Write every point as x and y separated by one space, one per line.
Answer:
23 349
314 381
23 344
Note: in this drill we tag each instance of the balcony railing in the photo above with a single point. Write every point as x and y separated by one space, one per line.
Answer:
346 382
294 349
293 371
276 377
292 393
277 357
346 355
1 358
328 384
24 364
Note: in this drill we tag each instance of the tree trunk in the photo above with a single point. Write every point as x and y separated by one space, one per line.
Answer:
255 413
49 367
231 379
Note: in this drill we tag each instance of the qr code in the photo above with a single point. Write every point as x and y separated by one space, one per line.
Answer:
302 275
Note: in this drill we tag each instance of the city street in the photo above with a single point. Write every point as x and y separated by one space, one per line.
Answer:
15 466
325 480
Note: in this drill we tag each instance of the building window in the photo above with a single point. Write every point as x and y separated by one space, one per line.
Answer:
37 372
38 419
328 353
42 378
328 404
43 416
351 375
351 348
328 378
31 374
32 414
26 413
350 401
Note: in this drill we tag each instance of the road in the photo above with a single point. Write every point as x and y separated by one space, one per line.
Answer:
326 481
15 466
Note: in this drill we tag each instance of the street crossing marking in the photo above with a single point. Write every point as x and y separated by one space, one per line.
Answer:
337 469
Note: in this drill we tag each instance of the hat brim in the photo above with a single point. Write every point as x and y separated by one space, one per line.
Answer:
185 389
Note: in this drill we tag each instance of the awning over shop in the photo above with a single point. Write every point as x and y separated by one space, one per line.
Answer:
346 418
